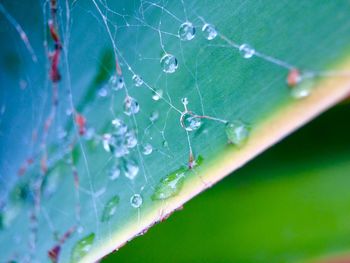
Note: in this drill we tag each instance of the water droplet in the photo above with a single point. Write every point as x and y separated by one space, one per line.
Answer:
187 31
168 63
209 31
116 82
300 84
136 200
102 92
237 132
120 150
157 94
154 116
184 101
114 144
302 90
82 247
246 51
107 142
130 139
114 173
190 122
131 169
110 208
138 81
120 127
131 106
170 185
147 149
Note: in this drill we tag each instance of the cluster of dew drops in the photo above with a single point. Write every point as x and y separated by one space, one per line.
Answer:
122 139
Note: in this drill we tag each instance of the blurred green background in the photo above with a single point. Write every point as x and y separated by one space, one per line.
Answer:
291 204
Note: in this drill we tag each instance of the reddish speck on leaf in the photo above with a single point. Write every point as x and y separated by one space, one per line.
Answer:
191 161
81 122
54 252
293 77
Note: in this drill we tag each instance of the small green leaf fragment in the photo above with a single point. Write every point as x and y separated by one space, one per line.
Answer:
82 247
75 154
110 208
170 185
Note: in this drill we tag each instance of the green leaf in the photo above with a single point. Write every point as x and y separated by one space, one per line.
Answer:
62 147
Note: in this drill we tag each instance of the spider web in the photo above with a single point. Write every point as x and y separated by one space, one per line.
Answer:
57 168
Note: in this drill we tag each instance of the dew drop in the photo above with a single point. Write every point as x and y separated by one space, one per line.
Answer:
147 149
157 94
136 200
131 169
184 101
209 31
246 51
190 122
168 63
237 132
130 139
116 82
138 81
106 142
165 144
170 185
154 116
187 31
82 247
114 173
300 84
102 92
131 106
120 127
302 90
120 149
114 144
110 208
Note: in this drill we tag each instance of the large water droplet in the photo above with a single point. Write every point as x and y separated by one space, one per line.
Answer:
131 169
136 200
131 106
116 82
168 63
157 94
130 139
209 31
120 127
187 31
237 132
114 173
82 247
138 81
170 185
190 122
147 149
246 51
110 208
